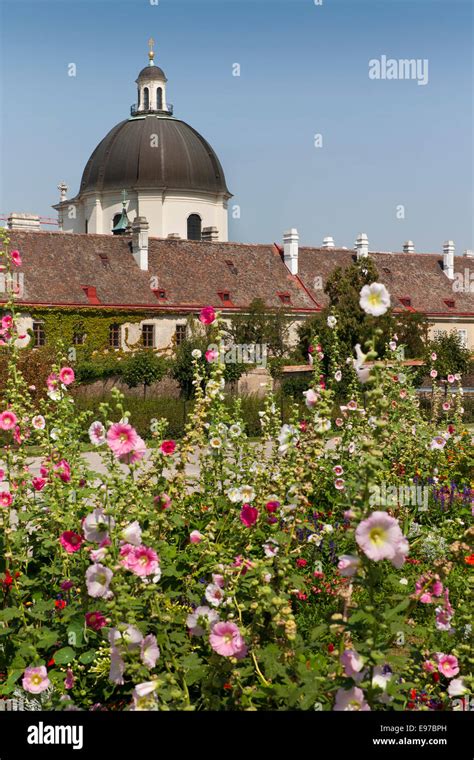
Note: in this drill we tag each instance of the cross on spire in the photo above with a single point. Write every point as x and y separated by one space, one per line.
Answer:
151 54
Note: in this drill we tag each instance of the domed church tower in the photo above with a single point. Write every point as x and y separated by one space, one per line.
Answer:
150 165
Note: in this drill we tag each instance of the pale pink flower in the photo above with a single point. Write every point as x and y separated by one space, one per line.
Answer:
451 378
456 688
447 664
438 442
141 560
149 651
218 579
38 422
98 579
339 484
214 594
446 406
433 374
434 356
352 405
428 666
348 565
195 619
311 398
339 422
338 470
16 258
211 355
338 375
271 548
70 541
35 680
69 680
137 453
352 663
8 420
98 555
96 526
195 537
117 667
226 640
52 381
207 315
67 376
132 533
350 700
380 537
97 433
121 438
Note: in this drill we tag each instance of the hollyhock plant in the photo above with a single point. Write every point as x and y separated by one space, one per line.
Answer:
97 435
352 663
195 537
35 680
380 537
98 578
6 499
447 664
96 526
8 420
202 613
149 651
95 620
67 376
38 483
248 515
351 700
374 299
168 447
132 533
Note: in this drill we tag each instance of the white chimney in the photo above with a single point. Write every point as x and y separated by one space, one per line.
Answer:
290 250
468 254
409 247
362 246
328 242
210 235
448 259
25 222
140 242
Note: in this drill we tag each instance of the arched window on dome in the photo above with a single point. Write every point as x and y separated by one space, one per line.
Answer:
116 220
159 99
138 98
194 227
146 98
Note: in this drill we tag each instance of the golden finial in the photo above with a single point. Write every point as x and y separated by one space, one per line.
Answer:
151 54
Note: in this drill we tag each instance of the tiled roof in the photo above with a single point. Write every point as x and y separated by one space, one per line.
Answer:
80 270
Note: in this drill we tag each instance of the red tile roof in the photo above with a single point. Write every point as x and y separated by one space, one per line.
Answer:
64 269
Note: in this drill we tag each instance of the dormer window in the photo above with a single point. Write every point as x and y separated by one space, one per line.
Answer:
284 298
160 294
450 302
405 301
224 295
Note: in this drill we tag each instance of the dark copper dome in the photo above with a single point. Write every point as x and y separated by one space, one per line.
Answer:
151 72
126 158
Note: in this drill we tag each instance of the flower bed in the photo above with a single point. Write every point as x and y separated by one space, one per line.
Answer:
316 569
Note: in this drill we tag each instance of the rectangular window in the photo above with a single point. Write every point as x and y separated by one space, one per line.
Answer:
159 294
114 336
181 334
284 297
224 295
39 333
148 336
463 337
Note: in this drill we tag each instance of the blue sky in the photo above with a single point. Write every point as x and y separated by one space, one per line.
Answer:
304 71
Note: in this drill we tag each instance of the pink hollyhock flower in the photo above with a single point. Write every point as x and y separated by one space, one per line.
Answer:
438 442
168 447
63 470
207 315
380 537
271 548
67 376
69 680
6 499
71 541
96 525
52 381
352 405
144 561
121 438
117 667
38 483
149 651
163 500
7 322
2 475
338 375
98 579
352 663
95 620
434 356
218 579
127 553
226 640
38 422
339 422
447 664
272 506
97 433
339 484
311 398
428 666
137 453
348 565
8 420
98 555
446 406
194 620
195 537
338 470
211 355
132 533
433 373
35 680
248 515
214 594
16 258
17 435
350 700
66 585
451 378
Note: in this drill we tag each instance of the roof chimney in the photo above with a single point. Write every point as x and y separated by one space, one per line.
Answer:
210 235
468 254
409 247
25 222
174 236
362 246
448 259
290 249
140 242
328 242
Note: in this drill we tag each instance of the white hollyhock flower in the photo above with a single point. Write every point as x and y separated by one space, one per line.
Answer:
331 322
196 353
132 534
361 370
374 299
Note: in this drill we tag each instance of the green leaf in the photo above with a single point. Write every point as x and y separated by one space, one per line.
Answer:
87 657
64 656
